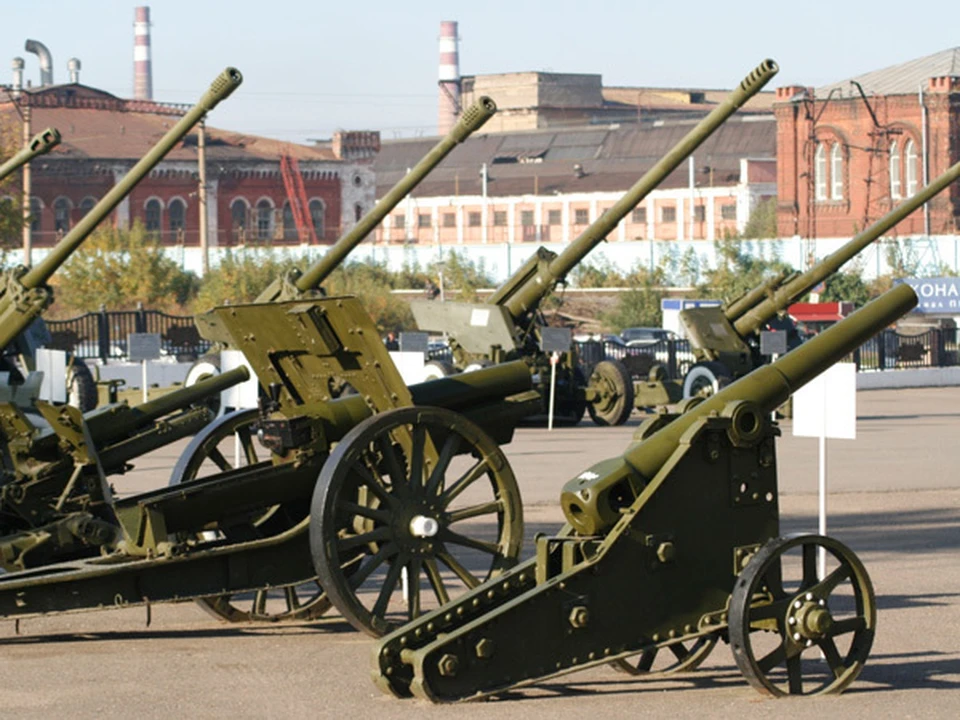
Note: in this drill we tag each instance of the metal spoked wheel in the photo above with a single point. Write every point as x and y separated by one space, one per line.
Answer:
614 396
675 658
228 443
414 506
705 379
795 633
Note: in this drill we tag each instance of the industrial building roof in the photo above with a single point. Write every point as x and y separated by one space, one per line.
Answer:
903 79
610 158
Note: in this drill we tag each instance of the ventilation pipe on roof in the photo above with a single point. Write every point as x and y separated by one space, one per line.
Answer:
17 66
73 67
46 60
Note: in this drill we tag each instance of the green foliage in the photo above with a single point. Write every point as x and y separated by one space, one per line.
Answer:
240 276
599 275
639 306
119 269
737 272
846 287
372 282
11 219
763 221
461 277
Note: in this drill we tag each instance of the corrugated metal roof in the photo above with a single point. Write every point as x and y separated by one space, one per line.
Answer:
902 79
615 160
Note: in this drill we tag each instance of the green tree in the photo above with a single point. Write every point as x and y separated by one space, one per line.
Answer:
240 276
639 306
762 222
737 272
846 287
119 269
460 276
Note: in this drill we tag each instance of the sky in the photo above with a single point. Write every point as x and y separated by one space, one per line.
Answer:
312 67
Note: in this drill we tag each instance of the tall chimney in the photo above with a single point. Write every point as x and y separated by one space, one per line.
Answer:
142 69
73 68
17 66
449 101
46 60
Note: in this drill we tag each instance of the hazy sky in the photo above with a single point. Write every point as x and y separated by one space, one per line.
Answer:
313 67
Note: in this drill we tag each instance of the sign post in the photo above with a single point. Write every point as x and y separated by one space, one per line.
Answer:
143 347
554 341
827 407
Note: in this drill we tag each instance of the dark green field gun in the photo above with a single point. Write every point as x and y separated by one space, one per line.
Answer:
668 548
507 326
724 339
40 144
414 486
57 459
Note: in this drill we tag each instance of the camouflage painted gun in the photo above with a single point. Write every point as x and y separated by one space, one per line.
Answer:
411 483
507 326
668 548
58 462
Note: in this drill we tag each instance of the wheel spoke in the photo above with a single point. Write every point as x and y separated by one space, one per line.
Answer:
260 602
450 536
221 462
842 627
374 483
386 590
436 582
417 450
772 659
680 651
830 654
246 441
398 478
761 615
810 577
413 587
290 595
646 659
470 477
365 511
354 541
830 582
447 452
795 675
773 579
494 506
459 570
376 560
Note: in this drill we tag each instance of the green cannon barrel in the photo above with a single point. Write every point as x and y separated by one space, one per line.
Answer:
528 297
41 143
472 120
589 506
799 285
228 81
749 299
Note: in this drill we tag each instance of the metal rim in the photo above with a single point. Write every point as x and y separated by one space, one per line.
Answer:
680 657
705 379
384 509
780 609
614 389
207 455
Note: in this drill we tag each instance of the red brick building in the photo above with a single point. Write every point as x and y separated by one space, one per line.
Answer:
846 157
104 136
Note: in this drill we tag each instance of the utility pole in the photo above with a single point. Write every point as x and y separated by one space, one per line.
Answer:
202 196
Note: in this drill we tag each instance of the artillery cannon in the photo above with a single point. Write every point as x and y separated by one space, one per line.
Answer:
297 283
507 326
724 339
40 144
414 471
668 548
57 458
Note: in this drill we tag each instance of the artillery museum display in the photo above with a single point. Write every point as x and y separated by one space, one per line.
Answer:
346 488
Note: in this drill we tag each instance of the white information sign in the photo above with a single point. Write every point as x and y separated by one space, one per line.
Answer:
53 365
827 405
410 364
243 395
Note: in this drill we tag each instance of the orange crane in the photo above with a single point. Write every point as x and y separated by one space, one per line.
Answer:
297 195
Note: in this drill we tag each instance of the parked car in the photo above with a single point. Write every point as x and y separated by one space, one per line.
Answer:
643 336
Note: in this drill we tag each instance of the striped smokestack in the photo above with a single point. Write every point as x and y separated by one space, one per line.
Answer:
142 69
449 106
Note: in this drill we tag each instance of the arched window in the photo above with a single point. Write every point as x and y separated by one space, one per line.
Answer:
910 167
895 190
264 219
152 213
177 215
36 213
86 205
289 226
836 172
820 172
238 214
61 214
317 216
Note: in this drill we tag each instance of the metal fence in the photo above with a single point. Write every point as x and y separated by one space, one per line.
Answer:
103 335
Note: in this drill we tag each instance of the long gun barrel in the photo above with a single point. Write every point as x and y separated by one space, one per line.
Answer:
472 120
767 387
40 144
749 299
796 287
528 295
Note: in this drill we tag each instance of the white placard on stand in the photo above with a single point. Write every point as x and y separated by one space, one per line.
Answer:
242 395
826 407
53 365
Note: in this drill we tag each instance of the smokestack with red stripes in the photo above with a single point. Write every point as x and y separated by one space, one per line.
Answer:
142 69
449 77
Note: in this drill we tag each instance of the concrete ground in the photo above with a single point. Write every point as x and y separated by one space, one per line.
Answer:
895 499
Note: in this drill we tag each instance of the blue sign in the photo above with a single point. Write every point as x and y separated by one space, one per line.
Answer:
938 296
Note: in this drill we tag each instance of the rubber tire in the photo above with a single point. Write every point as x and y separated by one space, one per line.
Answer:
205 366
436 369
81 387
615 371
714 373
